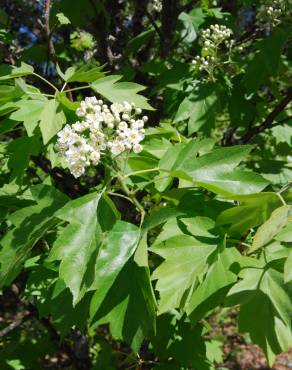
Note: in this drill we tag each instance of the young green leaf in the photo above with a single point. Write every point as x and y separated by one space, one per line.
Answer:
62 18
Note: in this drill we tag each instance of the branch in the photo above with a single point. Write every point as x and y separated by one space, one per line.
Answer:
247 36
15 324
152 21
51 49
189 6
268 123
170 13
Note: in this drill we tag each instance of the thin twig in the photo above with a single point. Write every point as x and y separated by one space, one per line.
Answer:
45 80
247 36
77 88
131 195
268 122
120 196
142 172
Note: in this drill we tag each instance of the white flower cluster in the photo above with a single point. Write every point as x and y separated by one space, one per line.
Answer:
116 128
157 5
203 63
214 37
269 14
212 40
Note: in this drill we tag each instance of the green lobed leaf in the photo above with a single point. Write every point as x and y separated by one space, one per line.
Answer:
253 210
8 71
85 73
78 244
266 232
28 112
263 294
213 289
52 120
216 172
185 260
62 18
21 149
30 225
199 109
129 305
117 248
265 62
115 91
43 112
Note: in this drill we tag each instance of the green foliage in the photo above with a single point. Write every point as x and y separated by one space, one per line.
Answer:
116 92
127 265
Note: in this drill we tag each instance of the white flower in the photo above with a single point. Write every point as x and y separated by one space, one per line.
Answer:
125 117
215 35
137 148
135 125
73 156
117 148
157 5
79 126
134 136
77 170
108 118
93 118
269 15
122 126
127 107
117 108
97 108
95 157
65 134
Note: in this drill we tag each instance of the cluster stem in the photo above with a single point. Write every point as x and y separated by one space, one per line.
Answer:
131 196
